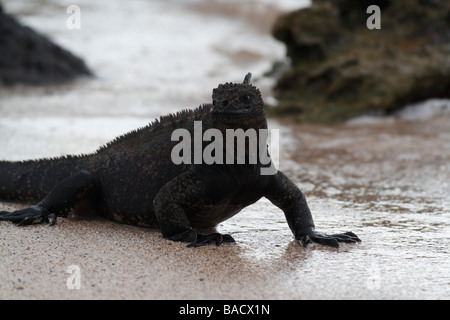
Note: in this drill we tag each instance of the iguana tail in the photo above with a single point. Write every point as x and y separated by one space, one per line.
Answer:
30 181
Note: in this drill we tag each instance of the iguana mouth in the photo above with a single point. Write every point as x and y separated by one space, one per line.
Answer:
232 113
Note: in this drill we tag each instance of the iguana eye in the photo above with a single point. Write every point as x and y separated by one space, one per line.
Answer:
224 103
246 98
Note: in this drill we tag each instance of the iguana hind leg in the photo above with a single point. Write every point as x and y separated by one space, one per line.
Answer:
59 202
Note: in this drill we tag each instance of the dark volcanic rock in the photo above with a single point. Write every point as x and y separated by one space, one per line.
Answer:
341 69
29 58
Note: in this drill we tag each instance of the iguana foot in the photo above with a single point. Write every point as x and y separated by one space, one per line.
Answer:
185 236
198 240
328 240
27 216
217 238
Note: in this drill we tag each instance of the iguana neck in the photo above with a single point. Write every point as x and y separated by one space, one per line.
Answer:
231 122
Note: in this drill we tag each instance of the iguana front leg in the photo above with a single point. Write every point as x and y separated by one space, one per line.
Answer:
288 197
170 205
60 200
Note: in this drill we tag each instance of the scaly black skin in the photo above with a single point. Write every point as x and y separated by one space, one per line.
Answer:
133 180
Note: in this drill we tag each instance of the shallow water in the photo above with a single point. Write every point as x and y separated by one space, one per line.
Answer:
386 179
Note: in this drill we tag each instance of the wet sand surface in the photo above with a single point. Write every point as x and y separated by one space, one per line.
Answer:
386 179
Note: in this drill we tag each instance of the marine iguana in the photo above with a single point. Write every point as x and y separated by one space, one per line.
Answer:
132 179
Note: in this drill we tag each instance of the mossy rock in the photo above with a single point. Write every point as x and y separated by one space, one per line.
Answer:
341 69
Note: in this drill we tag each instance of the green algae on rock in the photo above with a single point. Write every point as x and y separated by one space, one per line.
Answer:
341 68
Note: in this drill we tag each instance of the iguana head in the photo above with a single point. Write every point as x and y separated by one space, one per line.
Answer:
238 105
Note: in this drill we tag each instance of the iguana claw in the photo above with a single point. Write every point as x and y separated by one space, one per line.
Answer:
27 216
217 238
328 240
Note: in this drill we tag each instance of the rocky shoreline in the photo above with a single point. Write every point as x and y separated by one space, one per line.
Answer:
341 68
